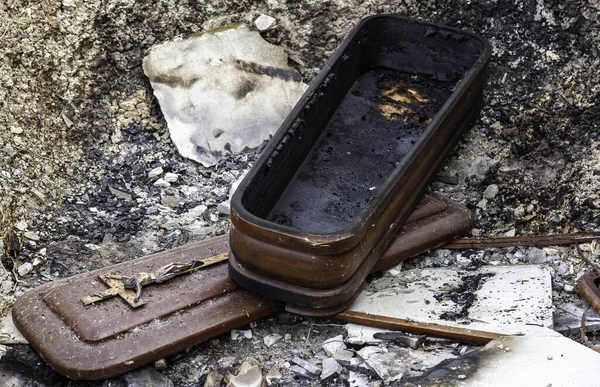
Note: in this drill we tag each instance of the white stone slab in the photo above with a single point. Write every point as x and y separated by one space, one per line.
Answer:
540 358
511 301
222 91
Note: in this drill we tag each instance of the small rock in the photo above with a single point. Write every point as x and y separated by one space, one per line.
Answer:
224 208
358 380
68 3
237 334
535 255
146 377
171 201
287 337
108 238
561 267
491 191
21 225
16 130
25 269
411 341
272 339
569 288
171 177
160 365
299 371
331 369
119 194
482 204
226 362
264 22
155 172
336 348
162 183
272 376
552 56
519 211
462 377
152 210
92 246
6 286
213 379
314 370
31 235
236 184
228 177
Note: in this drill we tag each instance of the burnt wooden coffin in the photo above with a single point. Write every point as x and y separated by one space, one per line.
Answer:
346 168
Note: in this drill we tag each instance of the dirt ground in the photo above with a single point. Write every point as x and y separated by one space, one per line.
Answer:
78 117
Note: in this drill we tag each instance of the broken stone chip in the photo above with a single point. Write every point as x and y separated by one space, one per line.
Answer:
171 177
331 369
213 379
162 183
311 369
155 172
119 194
222 91
272 376
238 334
272 339
264 22
336 348
299 371
249 375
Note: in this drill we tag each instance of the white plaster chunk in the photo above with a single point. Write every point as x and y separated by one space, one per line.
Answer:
264 22
336 348
362 335
513 300
222 91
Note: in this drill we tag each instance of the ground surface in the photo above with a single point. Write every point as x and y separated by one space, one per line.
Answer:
77 117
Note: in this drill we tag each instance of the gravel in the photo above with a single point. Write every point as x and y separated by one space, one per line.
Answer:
87 159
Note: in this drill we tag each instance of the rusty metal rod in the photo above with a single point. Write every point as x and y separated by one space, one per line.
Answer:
398 324
528 240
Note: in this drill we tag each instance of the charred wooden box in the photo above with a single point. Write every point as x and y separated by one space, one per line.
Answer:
347 166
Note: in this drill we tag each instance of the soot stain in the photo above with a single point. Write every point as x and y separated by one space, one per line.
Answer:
463 295
245 88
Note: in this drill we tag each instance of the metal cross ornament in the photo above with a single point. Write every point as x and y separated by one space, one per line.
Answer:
129 288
